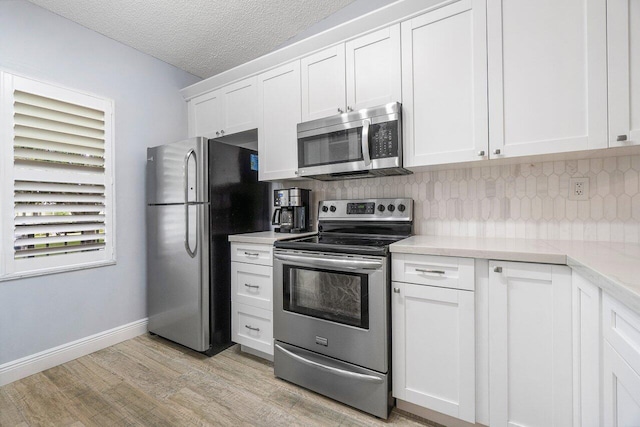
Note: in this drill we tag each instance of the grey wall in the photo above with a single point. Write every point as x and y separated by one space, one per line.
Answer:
47 311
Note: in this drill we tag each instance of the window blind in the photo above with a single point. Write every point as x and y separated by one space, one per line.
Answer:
59 177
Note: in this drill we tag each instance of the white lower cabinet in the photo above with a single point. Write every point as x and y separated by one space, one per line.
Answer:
620 364
586 352
530 344
433 338
252 297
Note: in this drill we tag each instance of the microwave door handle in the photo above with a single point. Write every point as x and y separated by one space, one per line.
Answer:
365 142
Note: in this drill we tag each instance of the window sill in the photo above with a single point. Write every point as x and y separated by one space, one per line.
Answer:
49 271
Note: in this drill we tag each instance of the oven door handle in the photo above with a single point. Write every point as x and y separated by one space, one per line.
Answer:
331 369
329 262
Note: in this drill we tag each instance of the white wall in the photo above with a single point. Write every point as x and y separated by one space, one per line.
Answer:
43 312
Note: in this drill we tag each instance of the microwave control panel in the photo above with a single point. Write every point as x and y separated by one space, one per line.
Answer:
384 140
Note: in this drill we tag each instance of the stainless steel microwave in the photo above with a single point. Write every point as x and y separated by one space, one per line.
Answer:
361 144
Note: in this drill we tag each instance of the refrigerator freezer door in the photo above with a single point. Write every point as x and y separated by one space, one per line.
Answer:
178 273
178 172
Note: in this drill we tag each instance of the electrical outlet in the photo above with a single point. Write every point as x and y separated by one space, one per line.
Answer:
578 188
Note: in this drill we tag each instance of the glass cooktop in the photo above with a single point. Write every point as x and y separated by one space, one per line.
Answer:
353 244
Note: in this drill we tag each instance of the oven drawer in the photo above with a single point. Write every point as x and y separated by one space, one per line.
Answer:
252 284
364 389
252 253
442 271
252 326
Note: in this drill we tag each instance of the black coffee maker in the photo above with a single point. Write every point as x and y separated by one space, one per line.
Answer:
292 210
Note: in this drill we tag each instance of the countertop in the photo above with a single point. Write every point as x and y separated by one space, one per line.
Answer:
266 237
614 267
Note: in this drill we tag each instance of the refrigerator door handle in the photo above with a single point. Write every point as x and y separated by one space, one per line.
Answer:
187 246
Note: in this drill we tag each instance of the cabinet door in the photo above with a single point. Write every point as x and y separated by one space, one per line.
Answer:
444 85
586 345
278 116
239 105
530 353
547 76
204 115
623 28
621 389
373 69
323 83
434 348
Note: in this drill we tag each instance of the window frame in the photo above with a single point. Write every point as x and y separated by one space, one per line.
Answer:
10 267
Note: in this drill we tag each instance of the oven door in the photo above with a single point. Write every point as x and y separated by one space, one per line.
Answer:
333 304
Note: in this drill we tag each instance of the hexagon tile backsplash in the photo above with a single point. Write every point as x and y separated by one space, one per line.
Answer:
527 200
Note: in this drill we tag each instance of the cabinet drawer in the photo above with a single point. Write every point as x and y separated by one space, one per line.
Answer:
446 272
252 327
621 328
252 253
252 284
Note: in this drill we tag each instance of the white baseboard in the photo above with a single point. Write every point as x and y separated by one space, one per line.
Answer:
29 365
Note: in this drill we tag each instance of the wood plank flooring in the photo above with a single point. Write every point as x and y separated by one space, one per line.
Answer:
148 381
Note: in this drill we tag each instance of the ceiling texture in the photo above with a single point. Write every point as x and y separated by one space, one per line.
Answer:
203 37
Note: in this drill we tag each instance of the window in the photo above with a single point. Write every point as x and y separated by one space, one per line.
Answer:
56 172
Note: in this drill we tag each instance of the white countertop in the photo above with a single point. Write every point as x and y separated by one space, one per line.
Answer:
267 237
615 267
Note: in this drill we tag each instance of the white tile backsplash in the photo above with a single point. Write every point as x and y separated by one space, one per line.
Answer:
520 200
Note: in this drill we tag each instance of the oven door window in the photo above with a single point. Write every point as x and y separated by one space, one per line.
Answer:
343 146
327 294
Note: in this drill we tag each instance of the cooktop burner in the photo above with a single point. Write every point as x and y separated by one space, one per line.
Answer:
364 227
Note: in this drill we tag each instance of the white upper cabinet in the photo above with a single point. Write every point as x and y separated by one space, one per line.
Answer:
323 84
361 73
547 76
444 85
373 69
225 111
623 27
204 115
278 116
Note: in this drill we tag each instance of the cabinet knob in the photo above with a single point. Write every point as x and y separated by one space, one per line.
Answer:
296 172
481 153
396 290
621 138
217 133
221 132
497 269
349 108
496 151
340 110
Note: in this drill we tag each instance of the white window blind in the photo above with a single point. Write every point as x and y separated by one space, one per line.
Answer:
61 177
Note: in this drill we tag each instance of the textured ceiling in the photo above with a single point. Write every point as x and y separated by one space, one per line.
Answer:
203 37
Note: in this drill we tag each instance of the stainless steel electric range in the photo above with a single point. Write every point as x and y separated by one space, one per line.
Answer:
332 302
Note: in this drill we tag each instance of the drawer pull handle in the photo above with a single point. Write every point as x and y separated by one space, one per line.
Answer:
252 286
252 328
497 269
251 253
423 270
396 290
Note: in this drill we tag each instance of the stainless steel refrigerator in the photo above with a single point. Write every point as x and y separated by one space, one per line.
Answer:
198 192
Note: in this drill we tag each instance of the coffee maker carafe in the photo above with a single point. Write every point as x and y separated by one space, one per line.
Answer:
292 210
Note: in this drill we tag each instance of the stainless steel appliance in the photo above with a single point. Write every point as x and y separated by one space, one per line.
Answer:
292 210
332 302
359 144
198 192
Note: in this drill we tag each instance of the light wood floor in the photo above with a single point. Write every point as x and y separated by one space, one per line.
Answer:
150 381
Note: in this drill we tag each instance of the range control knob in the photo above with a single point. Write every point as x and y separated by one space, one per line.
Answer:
325 209
391 208
401 207
381 208
333 208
